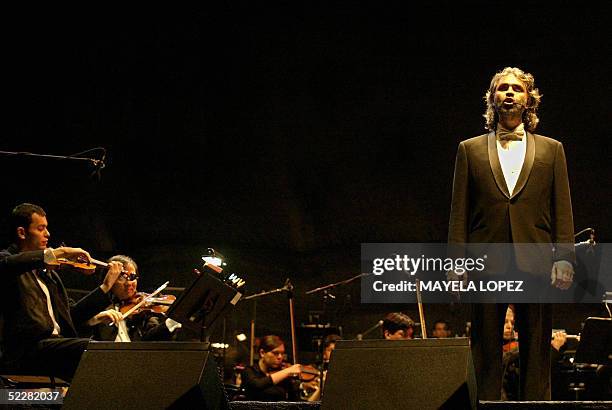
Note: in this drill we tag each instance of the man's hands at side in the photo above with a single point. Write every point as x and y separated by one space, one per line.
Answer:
562 275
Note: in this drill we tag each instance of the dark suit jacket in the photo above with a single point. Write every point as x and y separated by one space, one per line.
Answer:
539 211
24 306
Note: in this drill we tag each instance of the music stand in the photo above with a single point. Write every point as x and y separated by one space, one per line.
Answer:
595 345
204 302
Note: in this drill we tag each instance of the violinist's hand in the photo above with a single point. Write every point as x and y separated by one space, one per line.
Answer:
294 370
312 389
107 316
73 254
114 270
290 371
558 340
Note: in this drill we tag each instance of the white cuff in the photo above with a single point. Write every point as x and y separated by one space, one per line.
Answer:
49 257
172 325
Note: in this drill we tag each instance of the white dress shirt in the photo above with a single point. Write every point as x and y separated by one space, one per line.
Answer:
511 154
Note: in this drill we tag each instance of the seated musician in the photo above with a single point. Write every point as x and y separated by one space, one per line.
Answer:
441 329
398 326
142 326
510 358
329 344
267 379
38 330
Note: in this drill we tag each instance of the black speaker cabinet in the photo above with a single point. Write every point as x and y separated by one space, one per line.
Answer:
403 374
146 375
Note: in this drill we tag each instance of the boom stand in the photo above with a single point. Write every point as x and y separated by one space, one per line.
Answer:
288 287
326 297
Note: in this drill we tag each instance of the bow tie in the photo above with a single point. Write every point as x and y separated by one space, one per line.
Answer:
511 135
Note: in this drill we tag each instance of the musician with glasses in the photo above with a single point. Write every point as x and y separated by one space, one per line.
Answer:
144 326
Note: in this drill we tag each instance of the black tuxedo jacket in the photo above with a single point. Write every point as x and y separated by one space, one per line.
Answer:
539 211
23 305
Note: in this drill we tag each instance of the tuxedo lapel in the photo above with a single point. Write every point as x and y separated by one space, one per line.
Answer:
527 165
498 174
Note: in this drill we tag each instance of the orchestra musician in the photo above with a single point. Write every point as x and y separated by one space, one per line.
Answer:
145 325
269 379
398 326
329 344
38 333
510 358
441 329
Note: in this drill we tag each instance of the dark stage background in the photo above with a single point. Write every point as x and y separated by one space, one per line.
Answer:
285 136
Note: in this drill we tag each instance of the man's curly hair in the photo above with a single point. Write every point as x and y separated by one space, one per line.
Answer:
530 118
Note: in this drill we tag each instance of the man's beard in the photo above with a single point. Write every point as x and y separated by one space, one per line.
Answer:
515 111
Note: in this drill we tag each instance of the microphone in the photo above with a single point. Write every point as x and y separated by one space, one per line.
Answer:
369 330
99 165
589 243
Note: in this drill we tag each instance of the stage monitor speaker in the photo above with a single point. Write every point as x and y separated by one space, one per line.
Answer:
146 375
408 374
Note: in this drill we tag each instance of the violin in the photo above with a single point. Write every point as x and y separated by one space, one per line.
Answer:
307 372
310 380
144 300
80 266
158 304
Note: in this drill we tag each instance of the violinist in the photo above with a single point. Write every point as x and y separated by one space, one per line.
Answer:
268 379
143 324
38 329
329 344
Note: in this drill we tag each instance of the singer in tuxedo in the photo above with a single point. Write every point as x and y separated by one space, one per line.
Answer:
511 186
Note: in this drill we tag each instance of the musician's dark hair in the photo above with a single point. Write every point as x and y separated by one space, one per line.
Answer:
124 260
444 322
21 216
270 342
396 321
331 338
530 118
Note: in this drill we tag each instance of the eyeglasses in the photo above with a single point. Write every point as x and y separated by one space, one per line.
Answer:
128 276
277 353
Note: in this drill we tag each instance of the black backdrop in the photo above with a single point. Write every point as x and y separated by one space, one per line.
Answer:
285 135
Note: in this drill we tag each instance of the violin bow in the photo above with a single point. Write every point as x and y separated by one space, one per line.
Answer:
145 300
421 312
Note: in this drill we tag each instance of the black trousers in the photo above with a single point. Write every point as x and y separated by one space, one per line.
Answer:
534 324
55 356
